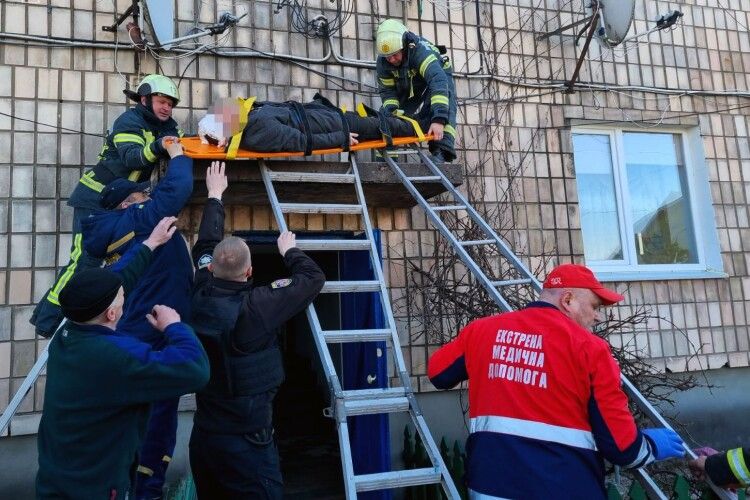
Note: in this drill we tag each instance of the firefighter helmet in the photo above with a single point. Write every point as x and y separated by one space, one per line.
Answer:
155 84
390 37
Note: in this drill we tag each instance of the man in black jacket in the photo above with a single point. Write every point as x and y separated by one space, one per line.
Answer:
232 451
273 127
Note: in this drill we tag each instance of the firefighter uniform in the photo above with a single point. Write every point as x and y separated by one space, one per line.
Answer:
232 451
730 469
545 404
167 281
131 150
422 85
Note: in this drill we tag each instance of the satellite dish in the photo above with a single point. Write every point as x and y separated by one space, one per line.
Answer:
615 19
159 15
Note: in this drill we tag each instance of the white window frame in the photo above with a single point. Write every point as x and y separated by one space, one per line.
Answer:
709 263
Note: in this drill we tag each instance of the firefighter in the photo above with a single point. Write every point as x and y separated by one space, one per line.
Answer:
102 380
130 151
415 77
232 449
131 214
545 401
730 469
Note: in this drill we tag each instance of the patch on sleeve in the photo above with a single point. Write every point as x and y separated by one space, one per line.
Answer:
204 261
281 283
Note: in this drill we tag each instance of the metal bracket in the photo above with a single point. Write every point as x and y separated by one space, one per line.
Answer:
134 9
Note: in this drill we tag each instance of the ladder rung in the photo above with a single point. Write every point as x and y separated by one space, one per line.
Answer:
360 394
402 151
475 243
373 406
320 208
333 245
311 177
343 336
425 178
350 286
449 207
498 284
397 479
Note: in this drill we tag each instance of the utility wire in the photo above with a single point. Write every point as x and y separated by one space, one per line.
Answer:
57 127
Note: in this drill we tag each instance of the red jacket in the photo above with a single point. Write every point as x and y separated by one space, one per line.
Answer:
545 404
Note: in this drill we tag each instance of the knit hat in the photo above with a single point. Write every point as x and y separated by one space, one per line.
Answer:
116 191
89 293
577 276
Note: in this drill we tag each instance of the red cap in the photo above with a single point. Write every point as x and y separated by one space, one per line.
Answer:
577 276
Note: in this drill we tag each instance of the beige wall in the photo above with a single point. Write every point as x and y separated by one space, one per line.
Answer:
81 89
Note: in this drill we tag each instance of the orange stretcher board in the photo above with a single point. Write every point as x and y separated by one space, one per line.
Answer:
195 149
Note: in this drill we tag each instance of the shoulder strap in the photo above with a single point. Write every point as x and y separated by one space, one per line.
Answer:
234 145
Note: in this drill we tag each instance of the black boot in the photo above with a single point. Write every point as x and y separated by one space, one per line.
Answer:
437 157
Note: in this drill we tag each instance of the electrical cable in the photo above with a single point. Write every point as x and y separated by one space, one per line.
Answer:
56 127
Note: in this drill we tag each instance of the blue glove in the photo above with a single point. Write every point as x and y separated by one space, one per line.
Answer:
665 443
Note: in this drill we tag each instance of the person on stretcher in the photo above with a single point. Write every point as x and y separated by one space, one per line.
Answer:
291 126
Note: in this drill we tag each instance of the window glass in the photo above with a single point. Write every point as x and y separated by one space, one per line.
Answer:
596 196
659 199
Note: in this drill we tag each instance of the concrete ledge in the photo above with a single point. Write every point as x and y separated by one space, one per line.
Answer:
381 186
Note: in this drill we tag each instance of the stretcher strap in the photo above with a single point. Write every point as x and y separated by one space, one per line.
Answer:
417 129
234 144
344 124
383 125
300 110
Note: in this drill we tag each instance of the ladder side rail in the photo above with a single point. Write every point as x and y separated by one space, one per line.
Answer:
378 270
652 489
502 245
432 450
443 229
651 411
26 386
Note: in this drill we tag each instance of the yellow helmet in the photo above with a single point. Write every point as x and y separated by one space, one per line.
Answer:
390 37
155 84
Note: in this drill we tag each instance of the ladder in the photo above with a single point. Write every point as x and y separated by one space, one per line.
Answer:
347 403
523 277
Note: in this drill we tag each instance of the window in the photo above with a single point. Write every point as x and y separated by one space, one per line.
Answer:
643 199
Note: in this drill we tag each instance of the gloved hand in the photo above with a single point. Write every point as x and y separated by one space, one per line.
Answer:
666 443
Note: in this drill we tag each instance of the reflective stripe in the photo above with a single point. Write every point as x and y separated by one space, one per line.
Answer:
439 99
114 246
450 130
739 468
166 458
234 145
387 82
475 495
87 180
145 470
54 294
118 138
148 154
134 175
390 102
534 430
423 67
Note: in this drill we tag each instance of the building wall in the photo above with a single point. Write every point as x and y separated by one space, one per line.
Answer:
514 140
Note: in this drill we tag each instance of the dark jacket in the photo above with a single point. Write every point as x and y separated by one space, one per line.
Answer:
131 150
96 401
261 311
729 469
168 280
421 78
277 127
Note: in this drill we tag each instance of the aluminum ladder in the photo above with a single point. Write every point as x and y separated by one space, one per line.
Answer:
524 277
368 401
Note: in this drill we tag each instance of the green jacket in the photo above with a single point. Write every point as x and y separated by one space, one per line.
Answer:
96 403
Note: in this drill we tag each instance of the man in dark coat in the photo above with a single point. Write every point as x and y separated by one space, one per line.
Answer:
101 380
232 450
291 126
131 150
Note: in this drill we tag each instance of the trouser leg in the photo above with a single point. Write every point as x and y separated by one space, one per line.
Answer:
47 314
157 449
234 467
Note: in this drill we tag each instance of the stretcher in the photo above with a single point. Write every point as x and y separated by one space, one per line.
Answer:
194 148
